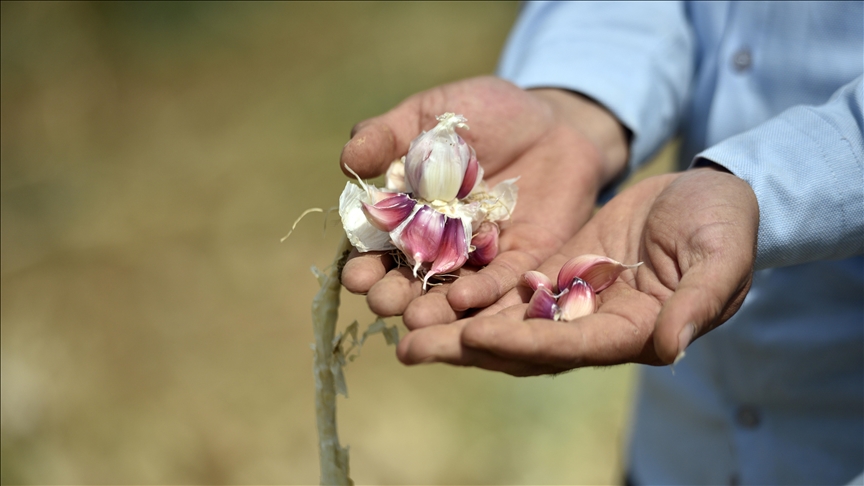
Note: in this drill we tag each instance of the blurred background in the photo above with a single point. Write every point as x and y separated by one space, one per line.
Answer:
154 330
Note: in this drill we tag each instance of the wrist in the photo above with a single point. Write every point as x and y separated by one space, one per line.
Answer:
597 124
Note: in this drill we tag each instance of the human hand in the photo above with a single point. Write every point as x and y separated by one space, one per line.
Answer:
696 234
563 147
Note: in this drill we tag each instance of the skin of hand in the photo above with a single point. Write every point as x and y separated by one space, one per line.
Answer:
696 234
564 147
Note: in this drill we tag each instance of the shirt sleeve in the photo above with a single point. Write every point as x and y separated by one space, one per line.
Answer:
805 166
634 58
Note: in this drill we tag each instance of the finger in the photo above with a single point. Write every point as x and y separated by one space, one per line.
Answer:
595 340
363 270
701 301
378 141
442 344
400 293
488 285
392 294
521 294
430 309
515 312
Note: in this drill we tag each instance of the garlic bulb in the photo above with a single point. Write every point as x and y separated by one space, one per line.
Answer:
436 209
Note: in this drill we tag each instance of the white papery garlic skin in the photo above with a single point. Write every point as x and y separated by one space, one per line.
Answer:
361 233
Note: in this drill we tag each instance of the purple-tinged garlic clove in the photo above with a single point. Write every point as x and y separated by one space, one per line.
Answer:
473 175
454 248
485 244
437 160
578 301
542 305
419 237
600 272
389 213
537 280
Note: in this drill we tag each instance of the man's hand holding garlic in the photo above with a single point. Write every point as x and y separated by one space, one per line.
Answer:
537 136
695 233
564 149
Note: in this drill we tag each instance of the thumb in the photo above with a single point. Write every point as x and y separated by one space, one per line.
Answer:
708 294
377 142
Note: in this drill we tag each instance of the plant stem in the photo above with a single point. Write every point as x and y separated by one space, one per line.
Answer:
325 312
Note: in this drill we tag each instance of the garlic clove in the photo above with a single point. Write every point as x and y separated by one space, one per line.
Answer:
537 280
396 177
600 272
362 234
418 153
542 305
485 244
578 301
473 174
437 160
419 236
454 248
389 213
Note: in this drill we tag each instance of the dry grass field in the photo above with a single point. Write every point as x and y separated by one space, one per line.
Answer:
155 331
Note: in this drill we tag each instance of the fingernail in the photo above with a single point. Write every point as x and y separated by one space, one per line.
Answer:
354 140
684 339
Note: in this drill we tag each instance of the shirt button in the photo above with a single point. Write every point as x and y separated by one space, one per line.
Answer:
748 417
742 60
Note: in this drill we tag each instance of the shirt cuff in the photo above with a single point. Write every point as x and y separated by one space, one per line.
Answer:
807 177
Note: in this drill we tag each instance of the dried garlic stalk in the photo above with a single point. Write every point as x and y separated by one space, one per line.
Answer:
325 312
331 353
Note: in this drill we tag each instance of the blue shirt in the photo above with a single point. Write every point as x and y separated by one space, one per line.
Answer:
772 91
